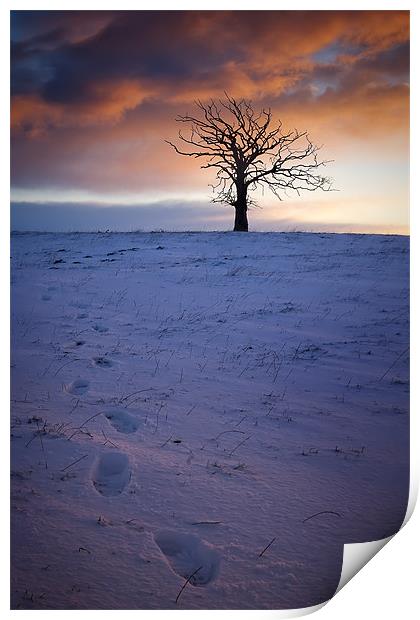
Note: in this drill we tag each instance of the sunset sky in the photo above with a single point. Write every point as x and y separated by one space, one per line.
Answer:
94 95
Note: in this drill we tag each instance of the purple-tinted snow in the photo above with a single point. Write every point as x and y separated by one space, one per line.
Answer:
181 400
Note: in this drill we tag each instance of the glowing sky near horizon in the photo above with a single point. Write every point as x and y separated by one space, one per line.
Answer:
95 93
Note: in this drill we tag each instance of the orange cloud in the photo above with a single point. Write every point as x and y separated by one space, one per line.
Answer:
181 56
91 105
108 103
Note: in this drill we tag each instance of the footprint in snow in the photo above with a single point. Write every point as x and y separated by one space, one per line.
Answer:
74 344
77 387
111 473
100 328
102 362
122 421
186 553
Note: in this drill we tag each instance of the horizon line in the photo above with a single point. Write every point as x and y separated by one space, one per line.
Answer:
204 232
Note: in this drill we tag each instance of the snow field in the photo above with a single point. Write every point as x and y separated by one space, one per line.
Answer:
181 401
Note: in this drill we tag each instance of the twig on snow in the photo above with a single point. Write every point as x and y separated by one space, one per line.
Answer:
42 445
239 445
393 364
186 583
265 548
323 512
74 462
85 422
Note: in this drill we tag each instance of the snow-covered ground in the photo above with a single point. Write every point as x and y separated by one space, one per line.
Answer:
180 401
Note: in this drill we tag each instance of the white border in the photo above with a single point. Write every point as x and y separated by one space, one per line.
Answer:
387 586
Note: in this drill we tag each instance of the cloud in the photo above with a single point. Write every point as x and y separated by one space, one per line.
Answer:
32 28
173 215
91 217
106 104
177 56
94 94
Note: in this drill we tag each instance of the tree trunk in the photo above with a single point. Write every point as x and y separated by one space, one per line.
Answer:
241 218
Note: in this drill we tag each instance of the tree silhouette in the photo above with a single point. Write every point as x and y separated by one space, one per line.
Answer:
249 151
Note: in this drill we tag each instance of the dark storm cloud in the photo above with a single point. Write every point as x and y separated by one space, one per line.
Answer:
393 62
139 45
95 93
74 25
178 49
149 46
36 36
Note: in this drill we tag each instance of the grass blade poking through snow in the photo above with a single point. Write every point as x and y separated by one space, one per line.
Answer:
186 583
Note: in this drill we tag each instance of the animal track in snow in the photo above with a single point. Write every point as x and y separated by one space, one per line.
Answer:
100 328
186 553
77 387
74 344
111 473
102 362
122 421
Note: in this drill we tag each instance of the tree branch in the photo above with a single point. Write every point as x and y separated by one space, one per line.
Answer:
249 151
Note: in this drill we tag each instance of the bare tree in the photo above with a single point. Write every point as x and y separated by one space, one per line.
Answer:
249 151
